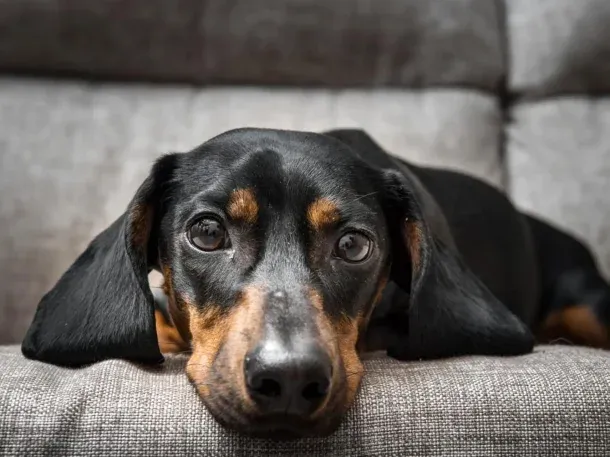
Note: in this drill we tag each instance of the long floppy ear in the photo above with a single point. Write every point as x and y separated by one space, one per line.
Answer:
434 306
102 307
446 310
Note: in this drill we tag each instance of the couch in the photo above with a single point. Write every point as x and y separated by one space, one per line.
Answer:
91 91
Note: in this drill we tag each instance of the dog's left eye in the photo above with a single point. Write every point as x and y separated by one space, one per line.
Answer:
208 234
353 247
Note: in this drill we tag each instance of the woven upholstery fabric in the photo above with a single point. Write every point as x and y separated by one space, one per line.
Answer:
558 163
72 155
339 42
555 402
558 46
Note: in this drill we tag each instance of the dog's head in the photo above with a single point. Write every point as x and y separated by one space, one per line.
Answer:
276 248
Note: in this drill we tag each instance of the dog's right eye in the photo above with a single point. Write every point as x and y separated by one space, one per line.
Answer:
208 234
353 247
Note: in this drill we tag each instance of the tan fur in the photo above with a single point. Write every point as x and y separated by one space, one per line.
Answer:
347 338
234 331
243 206
323 324
209 328
364 322
322 213
577 324
228 335
245 332
339 338
141 219
168 336
414 234
177 305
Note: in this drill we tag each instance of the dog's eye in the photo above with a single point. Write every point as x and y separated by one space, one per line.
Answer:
353 247
208 234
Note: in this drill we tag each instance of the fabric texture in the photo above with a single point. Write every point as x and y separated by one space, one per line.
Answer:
340 43
73 155
559 166
554 402
558 46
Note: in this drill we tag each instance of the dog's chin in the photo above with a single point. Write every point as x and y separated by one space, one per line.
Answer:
284 430
279 427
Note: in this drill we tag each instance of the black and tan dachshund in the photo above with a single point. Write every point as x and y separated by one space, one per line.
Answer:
287 254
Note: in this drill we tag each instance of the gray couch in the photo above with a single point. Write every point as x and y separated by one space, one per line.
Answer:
515 92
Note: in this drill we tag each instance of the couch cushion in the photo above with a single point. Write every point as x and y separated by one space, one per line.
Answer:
340 42
559 166
555 402
558 46
74 154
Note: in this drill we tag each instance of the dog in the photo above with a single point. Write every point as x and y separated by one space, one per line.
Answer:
286 255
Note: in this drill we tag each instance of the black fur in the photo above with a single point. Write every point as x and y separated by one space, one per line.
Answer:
444 309
102 307
475 290
569 273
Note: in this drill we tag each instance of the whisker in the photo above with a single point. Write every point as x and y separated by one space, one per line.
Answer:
364 196
561 340
178 352
189 364
354 373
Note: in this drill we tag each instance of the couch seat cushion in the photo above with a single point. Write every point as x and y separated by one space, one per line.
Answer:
553 402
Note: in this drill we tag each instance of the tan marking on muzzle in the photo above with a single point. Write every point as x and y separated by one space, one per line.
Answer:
234 333
347 337
168 337
339 338
323 324
322 213
364 321
177 306
209 328
245 333
243 206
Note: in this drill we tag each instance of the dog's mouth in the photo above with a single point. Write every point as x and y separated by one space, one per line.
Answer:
283 428
277 426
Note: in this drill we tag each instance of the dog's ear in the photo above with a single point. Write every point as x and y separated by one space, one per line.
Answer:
102 307
446 310
440 308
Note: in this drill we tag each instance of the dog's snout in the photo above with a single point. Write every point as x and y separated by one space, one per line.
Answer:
288 381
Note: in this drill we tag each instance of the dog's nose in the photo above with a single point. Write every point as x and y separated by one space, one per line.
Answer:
281 380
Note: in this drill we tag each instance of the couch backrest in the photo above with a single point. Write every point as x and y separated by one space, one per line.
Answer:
290 42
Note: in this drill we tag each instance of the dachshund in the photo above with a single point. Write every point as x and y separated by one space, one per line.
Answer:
286 255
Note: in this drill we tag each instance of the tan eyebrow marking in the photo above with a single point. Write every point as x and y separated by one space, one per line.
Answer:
243 206
322 213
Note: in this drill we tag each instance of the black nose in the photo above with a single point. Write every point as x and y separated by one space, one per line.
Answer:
288 381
